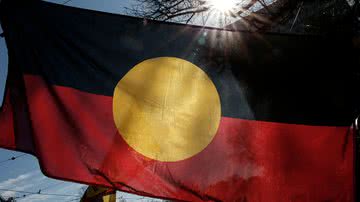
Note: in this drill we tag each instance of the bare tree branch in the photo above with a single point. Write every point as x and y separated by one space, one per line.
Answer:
258 15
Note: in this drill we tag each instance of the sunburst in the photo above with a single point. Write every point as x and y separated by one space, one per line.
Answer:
223 6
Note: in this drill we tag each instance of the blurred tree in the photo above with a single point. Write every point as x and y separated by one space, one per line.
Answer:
10 199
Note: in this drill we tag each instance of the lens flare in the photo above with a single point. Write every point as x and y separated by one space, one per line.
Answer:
222 5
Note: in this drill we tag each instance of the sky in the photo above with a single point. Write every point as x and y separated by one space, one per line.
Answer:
23 173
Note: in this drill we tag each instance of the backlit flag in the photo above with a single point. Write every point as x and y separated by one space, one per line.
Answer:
179 112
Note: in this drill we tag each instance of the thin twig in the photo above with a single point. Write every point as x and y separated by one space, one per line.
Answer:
297 14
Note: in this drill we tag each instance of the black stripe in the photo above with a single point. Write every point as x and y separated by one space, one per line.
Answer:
284 78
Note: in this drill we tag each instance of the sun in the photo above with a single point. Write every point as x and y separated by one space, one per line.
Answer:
222 5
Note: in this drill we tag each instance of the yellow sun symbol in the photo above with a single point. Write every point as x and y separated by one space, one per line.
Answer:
167 109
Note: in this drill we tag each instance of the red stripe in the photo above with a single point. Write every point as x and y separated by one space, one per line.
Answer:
248 160
7 136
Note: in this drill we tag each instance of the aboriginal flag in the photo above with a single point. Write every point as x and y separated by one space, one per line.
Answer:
179 112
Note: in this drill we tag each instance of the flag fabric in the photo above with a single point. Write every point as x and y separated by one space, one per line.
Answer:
176 111
99 194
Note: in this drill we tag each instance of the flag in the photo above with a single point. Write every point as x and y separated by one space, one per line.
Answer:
98 194
178 111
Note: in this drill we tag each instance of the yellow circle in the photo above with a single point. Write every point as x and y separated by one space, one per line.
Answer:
166 109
